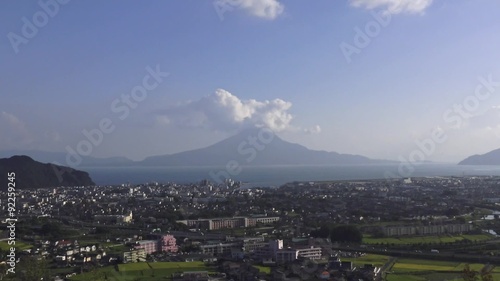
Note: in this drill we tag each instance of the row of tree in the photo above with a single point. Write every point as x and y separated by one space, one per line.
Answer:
339 233
469 274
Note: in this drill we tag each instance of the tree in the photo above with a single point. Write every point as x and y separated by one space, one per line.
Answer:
33 269
469 274
102 230
52 229
322 232
452 212
346 233
486 274
3 270
96 275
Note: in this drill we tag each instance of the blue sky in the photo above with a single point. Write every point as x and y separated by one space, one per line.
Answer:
239 63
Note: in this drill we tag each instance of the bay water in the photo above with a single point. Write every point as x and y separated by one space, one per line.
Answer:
267 176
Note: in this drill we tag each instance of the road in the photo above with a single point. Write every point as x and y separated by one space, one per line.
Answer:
386 267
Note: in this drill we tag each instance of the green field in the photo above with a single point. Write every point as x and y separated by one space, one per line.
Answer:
403 265
263 269
420 270
142 271
376 260
425 239
4 245
433 276
393 277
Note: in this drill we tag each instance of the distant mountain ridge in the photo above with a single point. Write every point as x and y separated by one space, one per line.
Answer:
252 148
32 174
489 158
60 158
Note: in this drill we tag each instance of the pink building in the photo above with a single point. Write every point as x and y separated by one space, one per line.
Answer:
168 243
149 246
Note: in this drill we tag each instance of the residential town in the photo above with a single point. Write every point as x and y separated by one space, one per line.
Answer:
299 231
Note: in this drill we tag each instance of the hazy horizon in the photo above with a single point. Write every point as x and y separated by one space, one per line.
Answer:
379 78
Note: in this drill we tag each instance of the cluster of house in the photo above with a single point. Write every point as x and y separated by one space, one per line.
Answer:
268 252
69 252
334 269
271 252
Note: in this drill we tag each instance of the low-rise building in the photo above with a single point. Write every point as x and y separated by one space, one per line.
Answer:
427 229
149 246
235 222
136 255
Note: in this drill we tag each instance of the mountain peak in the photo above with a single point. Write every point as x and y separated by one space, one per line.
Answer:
32 174
255 147
489 158
21 158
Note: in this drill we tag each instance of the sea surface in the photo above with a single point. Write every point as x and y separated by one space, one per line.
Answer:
268 176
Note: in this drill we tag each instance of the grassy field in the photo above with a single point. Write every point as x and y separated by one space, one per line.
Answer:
4 245
420 270
404 277
117 249
142 271
403 265
376 260
425 239
263 269
432 277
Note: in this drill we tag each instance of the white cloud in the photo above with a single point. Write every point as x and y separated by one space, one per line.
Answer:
394 6
12 120
15 133
161 119
53 136
266 9
224 111
313 130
